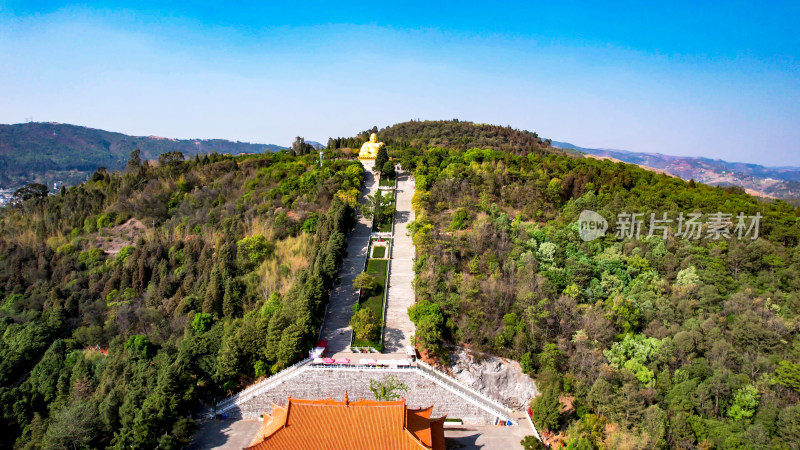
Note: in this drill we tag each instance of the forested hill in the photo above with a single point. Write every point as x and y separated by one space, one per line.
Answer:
53 152
778 182
455 134
130 301
635 340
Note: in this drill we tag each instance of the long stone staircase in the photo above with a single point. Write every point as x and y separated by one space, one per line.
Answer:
259 388
426 386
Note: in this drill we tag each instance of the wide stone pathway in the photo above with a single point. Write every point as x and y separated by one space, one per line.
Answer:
343 296
397 334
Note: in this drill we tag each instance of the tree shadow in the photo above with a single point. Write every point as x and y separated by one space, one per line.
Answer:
401 217
463 442
393 339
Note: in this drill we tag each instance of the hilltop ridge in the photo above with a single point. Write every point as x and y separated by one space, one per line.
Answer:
778 182
455 134
48 152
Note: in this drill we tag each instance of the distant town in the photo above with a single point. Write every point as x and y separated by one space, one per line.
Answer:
6 195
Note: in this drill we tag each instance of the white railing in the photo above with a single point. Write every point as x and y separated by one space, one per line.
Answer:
464 389
481 401
259 387
457 390
499 411
535 431
359 368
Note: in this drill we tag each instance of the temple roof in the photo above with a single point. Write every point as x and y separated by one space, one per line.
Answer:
331 424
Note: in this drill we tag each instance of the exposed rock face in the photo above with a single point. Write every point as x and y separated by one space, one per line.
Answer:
499 378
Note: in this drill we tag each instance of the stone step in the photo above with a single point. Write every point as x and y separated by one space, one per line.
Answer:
310 382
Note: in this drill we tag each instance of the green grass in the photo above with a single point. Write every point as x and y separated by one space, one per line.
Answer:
377 268
385 226
387 181
378 252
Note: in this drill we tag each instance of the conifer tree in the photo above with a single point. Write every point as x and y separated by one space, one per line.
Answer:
231 302
214 292
381 158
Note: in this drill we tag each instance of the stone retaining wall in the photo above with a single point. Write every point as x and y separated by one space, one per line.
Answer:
317 383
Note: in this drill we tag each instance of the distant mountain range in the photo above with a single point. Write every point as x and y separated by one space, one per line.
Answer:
778 182
54 152
316 145
50 153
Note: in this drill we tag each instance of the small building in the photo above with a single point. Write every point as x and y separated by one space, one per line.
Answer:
346 425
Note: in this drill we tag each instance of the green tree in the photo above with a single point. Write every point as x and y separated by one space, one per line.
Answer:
387 170
215 291
202 322
170 159
381 158
429 322
289 347
550 357
378 207
547 410
254 249
74 426
139 344
134 162
531 443
29 191
788 374
365 281
231 300
387 390
365 325
745 402
428 333
260 369
788 424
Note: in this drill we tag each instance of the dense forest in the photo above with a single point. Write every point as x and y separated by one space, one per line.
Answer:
646 342
225 281
56 152
454 134
635 341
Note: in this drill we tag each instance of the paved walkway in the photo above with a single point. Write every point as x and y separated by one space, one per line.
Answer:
343 296
469 437
225 434
397 334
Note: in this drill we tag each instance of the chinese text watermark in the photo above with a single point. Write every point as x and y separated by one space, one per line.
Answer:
692 226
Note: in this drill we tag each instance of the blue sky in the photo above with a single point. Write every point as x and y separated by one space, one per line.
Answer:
688 78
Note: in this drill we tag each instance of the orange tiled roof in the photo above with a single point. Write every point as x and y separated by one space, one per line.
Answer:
345 425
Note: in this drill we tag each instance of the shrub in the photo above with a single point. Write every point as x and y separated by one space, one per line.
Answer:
255 249
202 322
365 282
365 325
388 171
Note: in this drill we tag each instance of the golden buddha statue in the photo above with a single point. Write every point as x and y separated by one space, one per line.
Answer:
370 148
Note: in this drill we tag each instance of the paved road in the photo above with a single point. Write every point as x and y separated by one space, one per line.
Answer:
225 434
469 437
343 296
397 334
